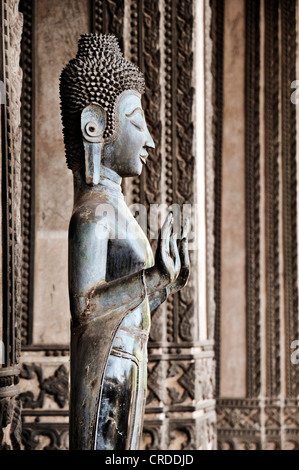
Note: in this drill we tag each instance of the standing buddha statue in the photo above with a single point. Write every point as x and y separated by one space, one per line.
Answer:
115 282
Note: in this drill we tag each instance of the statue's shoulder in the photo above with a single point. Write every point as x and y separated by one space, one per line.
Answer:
91 214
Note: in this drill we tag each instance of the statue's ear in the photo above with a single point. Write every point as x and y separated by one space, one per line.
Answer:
93 123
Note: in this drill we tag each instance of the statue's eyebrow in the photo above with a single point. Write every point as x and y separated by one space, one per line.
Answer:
136 110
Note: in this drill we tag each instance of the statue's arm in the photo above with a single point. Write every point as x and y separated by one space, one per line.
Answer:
157 298
154 282
123 294
91 296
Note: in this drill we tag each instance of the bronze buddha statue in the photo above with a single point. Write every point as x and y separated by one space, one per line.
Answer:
114 279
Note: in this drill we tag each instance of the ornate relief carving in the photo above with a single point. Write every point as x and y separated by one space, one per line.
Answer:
27 168
272 196
209 170
205 378
107 18
182 436
184 373
56 386
184 164
272 417
97 16
156 375
153 433
290 424
179 385
232 416
45 436
238 424
12 27
216 32
10 424
115 15
252 178
289 188
291 417
11 75
242 423
187 325
151 178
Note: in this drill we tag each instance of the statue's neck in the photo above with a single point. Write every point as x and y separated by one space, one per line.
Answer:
110 182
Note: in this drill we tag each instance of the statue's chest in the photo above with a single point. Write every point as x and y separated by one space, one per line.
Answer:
129 250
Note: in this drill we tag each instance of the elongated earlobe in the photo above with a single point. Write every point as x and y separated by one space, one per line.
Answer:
93 123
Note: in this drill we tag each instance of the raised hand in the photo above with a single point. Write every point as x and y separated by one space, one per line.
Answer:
167 263
183 276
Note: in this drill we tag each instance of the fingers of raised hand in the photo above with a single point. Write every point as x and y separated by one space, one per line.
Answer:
174 252
184 253
167 227
186 228
165 235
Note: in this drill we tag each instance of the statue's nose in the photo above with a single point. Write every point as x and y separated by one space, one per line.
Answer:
149 140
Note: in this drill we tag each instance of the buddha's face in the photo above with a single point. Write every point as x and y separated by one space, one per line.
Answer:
127 154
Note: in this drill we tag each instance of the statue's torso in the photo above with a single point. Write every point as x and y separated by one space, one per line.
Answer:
129 252
106 242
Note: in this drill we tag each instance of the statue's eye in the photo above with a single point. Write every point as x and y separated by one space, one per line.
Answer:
138 126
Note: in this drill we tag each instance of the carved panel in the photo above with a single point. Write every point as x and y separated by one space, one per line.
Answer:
11 78
250 424
290 423
272 196
181 379
216 32
27 169
107 18
182 436
12 30
252 178
44 383
10 424
289 188
56 386
238 424
45 436
179 385
209 169
183 165
153 435
156 375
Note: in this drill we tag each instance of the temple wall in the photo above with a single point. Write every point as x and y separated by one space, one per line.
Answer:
167 41
219 77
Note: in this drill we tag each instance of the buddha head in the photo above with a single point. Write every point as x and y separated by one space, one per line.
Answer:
102 116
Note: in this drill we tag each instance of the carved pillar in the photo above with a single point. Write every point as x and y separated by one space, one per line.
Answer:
11 247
